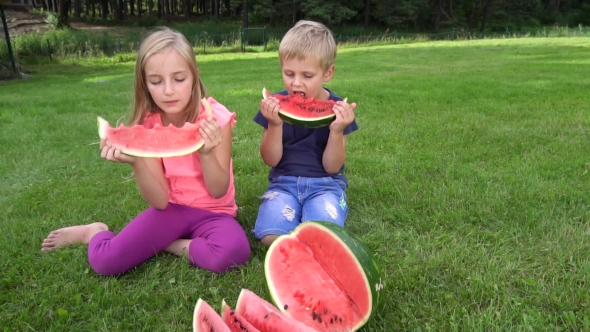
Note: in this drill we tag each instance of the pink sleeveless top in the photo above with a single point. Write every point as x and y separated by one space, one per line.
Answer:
186 184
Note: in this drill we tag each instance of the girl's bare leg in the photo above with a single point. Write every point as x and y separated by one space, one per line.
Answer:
72 235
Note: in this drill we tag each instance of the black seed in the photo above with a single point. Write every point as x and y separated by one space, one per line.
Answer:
235 320
313 315
266 316
340 319
231 313
286 306
325 311
331 320
319 318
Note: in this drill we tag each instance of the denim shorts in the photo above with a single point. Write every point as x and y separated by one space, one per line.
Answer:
290 200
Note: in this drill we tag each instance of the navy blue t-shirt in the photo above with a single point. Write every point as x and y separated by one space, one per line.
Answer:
303 148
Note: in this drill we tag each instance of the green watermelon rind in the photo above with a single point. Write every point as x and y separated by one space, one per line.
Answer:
363 256
300 121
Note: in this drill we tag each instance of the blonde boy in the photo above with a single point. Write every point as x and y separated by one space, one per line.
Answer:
306 179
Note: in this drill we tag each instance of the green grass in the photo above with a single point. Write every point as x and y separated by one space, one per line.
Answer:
469 180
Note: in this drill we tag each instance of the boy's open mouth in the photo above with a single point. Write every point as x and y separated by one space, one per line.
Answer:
299 93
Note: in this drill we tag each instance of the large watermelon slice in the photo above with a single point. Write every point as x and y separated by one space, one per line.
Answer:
205 319
266 317
304 112
324 276
158 142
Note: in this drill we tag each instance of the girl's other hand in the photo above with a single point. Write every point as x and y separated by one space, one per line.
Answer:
211 133
110 153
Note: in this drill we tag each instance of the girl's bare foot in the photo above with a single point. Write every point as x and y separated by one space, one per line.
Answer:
178 247
72 235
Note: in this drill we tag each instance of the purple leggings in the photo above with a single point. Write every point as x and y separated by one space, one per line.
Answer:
218 241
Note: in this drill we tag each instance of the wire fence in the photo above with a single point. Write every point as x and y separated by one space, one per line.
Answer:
34 49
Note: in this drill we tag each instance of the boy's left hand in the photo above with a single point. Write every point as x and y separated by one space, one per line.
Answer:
211 133
344 116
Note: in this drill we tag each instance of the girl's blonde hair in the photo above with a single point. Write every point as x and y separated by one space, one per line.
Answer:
159 41
309 39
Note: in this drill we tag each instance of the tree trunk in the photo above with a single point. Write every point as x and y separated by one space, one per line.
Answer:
244 13
367 12
64 9
473 17
486 12
439 12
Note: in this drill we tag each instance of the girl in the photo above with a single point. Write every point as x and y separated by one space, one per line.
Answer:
191 198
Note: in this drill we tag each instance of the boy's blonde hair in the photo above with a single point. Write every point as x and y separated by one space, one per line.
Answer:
309 39
159 41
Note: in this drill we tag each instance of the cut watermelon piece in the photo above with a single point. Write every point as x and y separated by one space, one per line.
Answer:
305 112
324 276
235 321
205 319
266 317
158 142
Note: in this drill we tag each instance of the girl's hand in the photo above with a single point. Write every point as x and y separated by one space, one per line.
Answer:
269 108
110 153
344 116
211 133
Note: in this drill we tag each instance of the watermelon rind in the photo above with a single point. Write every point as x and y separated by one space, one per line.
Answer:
299 121
363 256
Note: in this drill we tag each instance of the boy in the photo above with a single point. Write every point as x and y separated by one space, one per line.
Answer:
306 176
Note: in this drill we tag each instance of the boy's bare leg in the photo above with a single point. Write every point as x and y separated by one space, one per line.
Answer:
269 239
72 235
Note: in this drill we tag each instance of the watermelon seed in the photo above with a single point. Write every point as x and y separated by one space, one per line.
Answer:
266 316
286 306
325 311
319 318
331 320
231 313
313 315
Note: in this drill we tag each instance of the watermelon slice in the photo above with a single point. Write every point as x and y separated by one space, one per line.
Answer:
266 317
205 319
235 321
304 112
324 276
158 142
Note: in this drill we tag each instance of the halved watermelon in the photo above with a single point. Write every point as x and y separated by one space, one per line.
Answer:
304 112
234 320
158 142
266 317
205 319
324 276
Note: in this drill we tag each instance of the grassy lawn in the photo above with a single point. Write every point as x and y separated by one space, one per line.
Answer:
469 180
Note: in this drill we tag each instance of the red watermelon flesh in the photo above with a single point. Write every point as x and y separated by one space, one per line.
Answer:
265 316
304 111
157 142
317 278
234 320
205 319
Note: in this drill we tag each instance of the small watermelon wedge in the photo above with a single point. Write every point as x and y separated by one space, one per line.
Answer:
235 321
266 317
304 112
157 142
205 319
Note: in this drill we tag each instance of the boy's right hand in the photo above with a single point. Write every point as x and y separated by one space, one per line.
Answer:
269 108
110 153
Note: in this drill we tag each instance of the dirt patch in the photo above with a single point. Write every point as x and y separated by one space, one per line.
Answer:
21 22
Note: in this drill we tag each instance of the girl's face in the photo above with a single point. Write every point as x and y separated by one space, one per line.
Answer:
306 77
170 83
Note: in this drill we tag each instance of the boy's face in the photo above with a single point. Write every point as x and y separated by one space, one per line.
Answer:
305 77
